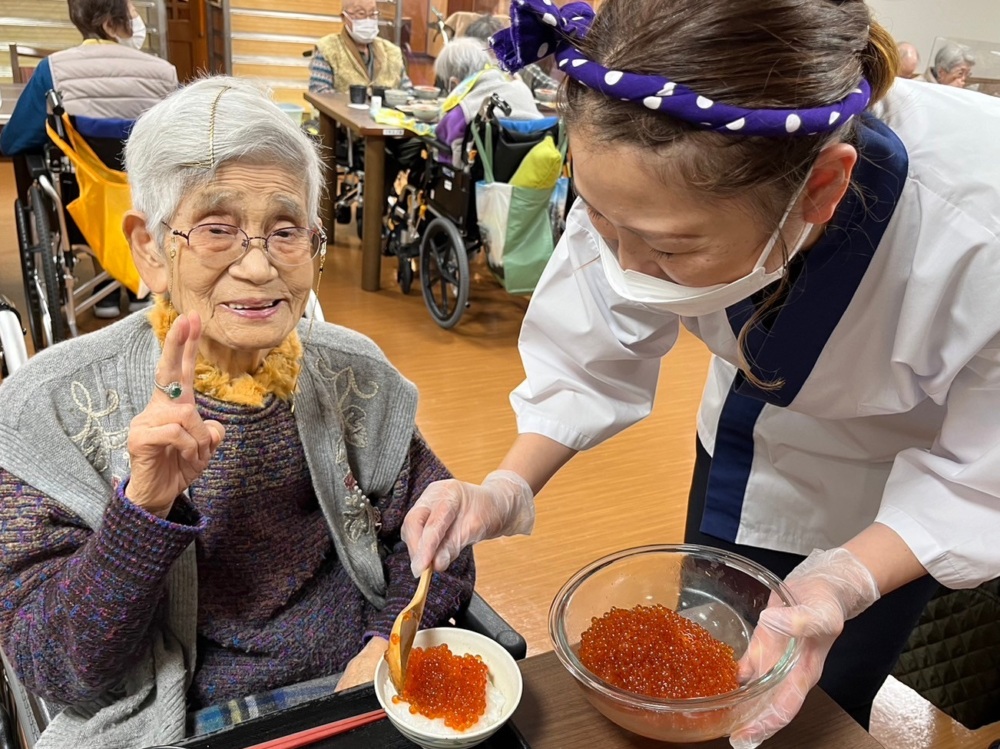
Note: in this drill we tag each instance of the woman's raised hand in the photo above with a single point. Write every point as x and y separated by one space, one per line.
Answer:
168 443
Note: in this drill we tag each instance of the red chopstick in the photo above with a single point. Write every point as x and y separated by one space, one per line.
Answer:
311 736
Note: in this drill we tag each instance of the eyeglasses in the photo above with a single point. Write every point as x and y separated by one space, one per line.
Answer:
221 245
360 15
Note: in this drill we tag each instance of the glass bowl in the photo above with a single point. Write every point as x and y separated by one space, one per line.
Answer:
721 591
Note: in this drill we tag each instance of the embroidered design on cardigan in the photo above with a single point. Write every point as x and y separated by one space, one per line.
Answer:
95 441
346 392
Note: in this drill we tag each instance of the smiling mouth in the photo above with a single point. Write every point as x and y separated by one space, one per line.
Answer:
252 305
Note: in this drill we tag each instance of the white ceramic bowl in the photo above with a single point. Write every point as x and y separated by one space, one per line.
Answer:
504 674
427 93
426 112
396 96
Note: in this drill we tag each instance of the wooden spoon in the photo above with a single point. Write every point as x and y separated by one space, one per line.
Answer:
404 630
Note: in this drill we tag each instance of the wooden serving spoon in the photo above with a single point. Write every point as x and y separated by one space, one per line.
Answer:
404 630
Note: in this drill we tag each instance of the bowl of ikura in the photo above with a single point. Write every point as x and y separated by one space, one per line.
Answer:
654 636
460 688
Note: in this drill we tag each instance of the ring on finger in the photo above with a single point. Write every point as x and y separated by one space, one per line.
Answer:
172 391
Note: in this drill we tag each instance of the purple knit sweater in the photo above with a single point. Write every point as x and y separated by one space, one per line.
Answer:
275 605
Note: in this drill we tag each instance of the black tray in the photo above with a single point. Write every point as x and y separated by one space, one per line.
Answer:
379 735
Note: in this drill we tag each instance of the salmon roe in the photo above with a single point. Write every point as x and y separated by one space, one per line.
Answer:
655 652
440 684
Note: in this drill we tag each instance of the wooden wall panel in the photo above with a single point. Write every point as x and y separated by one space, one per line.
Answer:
270 49
280 72
291 27
319 7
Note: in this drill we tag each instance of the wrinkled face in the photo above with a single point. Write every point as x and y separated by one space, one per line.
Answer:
957 76
253 303
664 230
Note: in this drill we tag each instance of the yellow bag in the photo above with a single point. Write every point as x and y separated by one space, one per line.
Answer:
541 168
98 212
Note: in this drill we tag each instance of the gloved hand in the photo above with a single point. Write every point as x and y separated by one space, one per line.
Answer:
451 515
830 587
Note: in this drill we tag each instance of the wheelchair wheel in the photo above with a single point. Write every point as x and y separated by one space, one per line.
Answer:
50 293
31 297
359 220
444 272
405 274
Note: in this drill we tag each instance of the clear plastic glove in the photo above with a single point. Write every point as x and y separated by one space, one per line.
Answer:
451 515
831 587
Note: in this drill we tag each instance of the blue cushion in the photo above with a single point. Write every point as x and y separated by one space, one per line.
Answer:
89 127
530 126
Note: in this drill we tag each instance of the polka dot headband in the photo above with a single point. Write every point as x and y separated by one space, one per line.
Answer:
539 29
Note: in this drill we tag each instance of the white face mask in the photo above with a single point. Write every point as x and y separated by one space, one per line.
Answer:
138 37
695 301
364 31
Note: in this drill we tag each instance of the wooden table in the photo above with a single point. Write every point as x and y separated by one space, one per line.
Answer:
334 110
554 714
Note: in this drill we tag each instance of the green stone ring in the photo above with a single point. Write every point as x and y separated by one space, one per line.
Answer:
172 391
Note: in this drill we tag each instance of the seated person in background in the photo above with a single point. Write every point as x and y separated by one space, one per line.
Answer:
533 75
909 61
952 65
174 535
104 78
464 66
357 55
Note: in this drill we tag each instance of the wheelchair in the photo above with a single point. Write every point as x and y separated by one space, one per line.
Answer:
433 224
50 244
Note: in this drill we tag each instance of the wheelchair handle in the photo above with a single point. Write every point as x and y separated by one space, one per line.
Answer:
54 99
495 102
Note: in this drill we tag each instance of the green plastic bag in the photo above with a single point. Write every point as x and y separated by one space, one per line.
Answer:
514 225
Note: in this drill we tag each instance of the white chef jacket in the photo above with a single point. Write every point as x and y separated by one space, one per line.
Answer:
888 344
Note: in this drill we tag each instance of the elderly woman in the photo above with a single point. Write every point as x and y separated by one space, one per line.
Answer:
952 65
204 503
464 67
533 75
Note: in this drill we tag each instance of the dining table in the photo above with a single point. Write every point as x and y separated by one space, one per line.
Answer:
335 111
555 714
9 93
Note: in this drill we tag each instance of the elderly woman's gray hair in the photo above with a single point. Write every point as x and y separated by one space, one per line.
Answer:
460 59
181 142
952 55
484 27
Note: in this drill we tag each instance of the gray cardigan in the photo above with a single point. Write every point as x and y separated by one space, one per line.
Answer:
64 420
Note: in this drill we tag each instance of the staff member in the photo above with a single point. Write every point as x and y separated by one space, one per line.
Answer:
842 270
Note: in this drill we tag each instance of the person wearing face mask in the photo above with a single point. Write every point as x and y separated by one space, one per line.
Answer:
106 77
840 272
357 56
138 37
